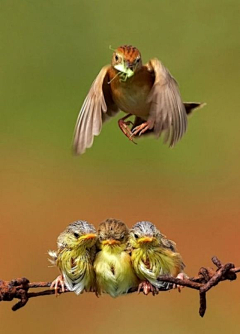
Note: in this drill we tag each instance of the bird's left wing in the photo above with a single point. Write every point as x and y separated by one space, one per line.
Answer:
168 243
167 111
171 245
97 107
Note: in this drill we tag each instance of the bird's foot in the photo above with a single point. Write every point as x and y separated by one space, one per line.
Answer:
125 129
180 287
140 129
57 284
147 287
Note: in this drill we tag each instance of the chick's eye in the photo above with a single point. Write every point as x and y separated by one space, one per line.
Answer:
76 234
138 60
122 237
116 57
136 236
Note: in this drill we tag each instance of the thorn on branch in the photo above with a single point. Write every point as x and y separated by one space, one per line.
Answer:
217 262
203 303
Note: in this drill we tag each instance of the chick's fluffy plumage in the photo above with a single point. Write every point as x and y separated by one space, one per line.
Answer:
74 257
152 254
114 273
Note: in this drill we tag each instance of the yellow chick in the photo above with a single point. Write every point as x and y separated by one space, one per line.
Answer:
74 258
114 272
152 254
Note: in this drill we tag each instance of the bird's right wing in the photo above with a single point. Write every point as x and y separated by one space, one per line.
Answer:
97 107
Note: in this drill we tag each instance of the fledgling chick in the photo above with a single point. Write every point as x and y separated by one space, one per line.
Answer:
74 258
152 255
114 272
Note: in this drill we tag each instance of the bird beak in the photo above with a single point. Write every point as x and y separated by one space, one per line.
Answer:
145 239
88 236
111 242
129 65
124 68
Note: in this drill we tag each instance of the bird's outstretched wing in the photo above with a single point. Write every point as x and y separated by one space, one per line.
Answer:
97 107
167 111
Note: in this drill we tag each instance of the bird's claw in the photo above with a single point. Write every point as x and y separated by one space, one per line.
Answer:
147 287
125 129
179 287
57 284
140 129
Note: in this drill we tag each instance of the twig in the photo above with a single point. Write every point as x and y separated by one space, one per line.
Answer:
206 279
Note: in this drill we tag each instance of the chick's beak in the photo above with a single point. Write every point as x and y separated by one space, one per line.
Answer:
111 242
88 236
145 239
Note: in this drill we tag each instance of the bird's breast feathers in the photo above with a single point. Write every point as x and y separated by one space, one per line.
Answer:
114 273
77 270
149 264
131 95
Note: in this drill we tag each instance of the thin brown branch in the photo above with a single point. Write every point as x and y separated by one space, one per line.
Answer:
206 279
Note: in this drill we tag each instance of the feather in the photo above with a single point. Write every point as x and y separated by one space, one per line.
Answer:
167 110
97 107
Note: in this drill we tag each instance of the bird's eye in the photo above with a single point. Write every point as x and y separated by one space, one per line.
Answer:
136 236
138 60
116 57
76 234
122 237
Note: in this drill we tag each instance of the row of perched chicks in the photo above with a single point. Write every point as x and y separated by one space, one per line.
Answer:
114 260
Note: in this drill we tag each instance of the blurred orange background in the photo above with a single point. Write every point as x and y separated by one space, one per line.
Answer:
50 53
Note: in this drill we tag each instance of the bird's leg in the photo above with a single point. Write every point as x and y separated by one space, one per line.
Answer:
147 288
124 127
180 276
142 128
58 283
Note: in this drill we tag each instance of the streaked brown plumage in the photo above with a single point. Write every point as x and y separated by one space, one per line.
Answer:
148 92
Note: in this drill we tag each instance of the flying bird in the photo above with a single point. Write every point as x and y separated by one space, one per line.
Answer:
149 92
152 255
114 272
74 258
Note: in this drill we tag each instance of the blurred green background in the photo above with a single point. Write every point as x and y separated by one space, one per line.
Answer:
50 52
